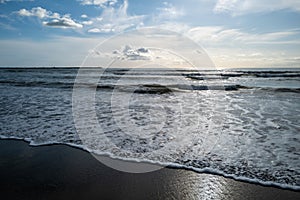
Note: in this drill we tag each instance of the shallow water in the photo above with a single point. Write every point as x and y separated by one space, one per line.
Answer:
241 123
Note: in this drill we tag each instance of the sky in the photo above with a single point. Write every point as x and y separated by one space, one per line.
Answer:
230 33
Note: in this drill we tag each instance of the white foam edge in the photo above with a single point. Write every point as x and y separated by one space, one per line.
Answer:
205 170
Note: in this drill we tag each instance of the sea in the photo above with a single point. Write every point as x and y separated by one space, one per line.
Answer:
239 123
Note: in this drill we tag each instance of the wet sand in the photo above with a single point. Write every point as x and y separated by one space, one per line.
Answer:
63 172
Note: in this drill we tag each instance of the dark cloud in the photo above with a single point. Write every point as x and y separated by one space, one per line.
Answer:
63 23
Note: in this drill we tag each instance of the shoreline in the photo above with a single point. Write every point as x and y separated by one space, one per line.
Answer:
59 171
163 165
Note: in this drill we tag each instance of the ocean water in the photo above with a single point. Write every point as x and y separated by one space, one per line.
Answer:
242 123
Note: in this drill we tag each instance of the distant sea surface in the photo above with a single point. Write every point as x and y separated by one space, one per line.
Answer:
242 123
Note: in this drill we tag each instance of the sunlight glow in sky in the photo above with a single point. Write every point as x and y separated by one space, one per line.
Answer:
234 33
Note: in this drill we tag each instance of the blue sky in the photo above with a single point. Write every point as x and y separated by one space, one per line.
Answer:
236 33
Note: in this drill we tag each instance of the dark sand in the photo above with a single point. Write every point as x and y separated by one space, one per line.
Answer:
63 172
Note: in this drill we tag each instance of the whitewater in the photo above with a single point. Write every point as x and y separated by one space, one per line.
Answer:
240 123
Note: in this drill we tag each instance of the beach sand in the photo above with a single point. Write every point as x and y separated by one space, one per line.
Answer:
64 172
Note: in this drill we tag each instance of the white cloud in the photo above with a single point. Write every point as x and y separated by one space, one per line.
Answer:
204 32
24 12
179 28
106 28
237 48
214 35
87 22
240 7
84 16
94 30
4 1
102 3
132 53
56 20
116 20
36 12
222 36
169 12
